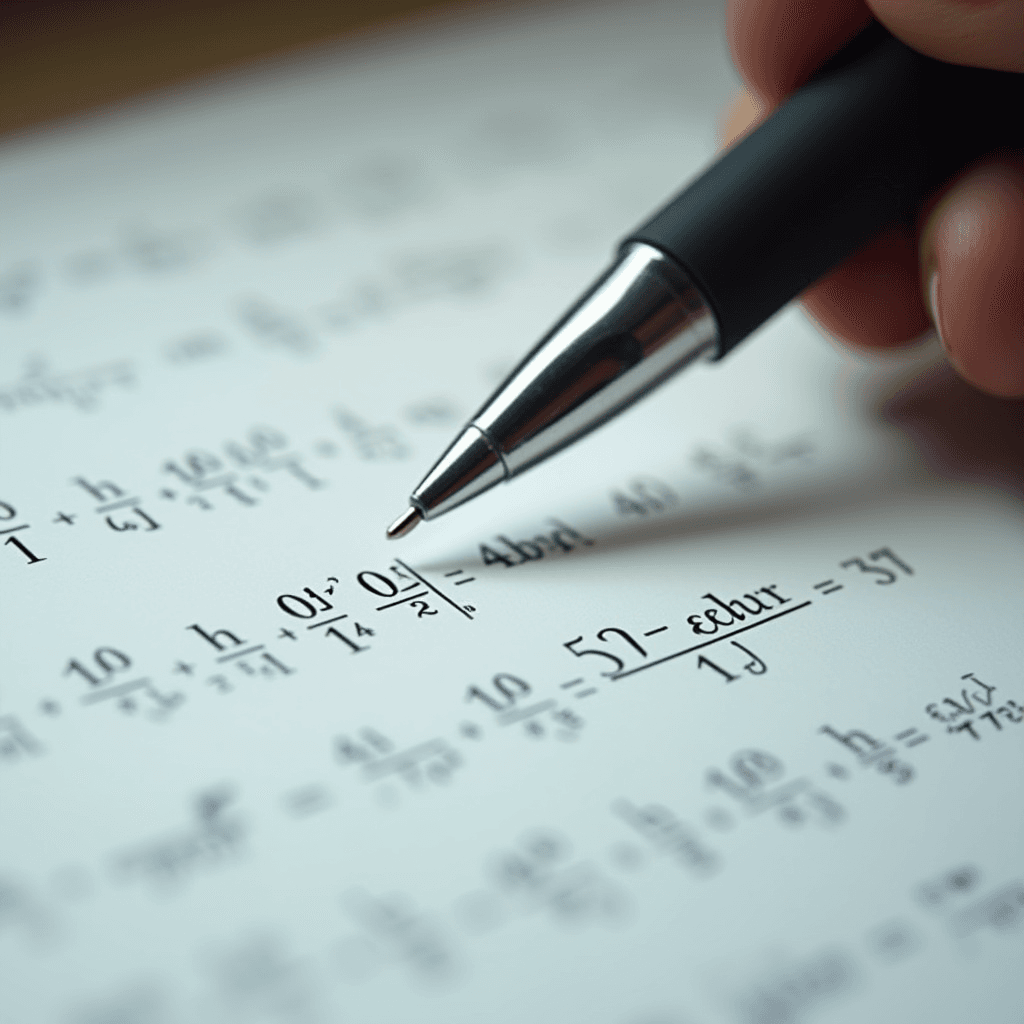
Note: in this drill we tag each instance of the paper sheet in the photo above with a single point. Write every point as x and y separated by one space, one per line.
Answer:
716 717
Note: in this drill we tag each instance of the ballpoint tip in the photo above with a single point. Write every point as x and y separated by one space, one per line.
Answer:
405 523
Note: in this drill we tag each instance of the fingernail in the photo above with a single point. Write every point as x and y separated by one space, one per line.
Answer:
933 306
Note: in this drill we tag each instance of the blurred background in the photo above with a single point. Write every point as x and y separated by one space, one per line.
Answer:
61 59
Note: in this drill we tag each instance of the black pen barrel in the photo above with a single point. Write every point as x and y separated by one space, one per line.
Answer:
857 148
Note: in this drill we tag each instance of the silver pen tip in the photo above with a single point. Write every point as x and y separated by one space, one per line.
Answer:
405 523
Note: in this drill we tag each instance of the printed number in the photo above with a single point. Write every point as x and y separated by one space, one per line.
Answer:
888 575
299 607
377 584
107 661
7 513
603 635
571 647
348 641
756 666
27 552
507 689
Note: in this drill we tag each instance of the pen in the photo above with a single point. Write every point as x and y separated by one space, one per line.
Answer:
857 148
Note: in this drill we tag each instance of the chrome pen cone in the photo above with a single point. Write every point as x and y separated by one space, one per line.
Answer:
405 523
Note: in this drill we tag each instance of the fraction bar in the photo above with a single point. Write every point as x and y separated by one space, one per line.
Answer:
239 654
217 481
278 462
874 755
401 600
403 759
708 643
327 622
445 597
115 691
15 529
511 717
758 802
123 503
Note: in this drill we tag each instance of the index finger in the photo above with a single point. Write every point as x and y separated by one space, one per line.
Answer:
778 44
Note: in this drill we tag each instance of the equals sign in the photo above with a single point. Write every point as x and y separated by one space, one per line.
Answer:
458 572
828 586
576 682
908 738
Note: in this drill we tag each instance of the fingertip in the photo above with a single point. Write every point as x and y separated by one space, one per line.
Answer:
872 300
984 33
741 116
778 44
972 275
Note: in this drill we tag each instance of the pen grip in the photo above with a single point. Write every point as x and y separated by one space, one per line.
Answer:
876 130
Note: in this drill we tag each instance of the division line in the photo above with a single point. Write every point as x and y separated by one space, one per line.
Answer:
401 600
120 503
511 717
444 597
708 643
759 802
327 622
403 759
278 462
217 481
239 654
115 691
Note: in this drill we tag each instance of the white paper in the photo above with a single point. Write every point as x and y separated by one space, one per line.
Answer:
239 322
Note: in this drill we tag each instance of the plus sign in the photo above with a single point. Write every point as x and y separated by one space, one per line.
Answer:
63 517
285 633
184 668
49 707
168 493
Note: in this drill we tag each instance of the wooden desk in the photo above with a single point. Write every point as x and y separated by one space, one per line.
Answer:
61 58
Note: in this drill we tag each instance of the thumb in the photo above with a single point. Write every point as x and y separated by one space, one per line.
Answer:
983 33
972 274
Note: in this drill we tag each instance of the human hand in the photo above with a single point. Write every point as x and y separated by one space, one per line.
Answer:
962 269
